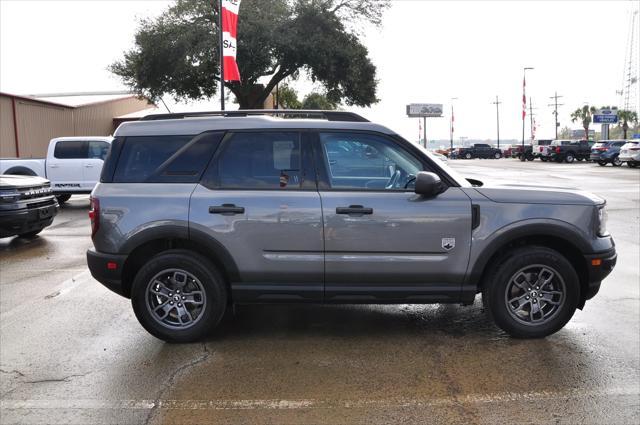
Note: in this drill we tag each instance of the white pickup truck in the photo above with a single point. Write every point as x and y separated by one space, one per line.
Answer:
73 164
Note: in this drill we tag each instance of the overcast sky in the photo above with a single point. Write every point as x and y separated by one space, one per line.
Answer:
426 51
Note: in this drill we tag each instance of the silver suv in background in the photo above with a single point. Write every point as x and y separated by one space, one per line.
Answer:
197 212
630 153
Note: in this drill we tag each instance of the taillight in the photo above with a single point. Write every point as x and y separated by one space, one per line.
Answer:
602 149
540 148
94 215
558 149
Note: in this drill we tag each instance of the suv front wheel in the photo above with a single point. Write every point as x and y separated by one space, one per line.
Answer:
179 296
532 293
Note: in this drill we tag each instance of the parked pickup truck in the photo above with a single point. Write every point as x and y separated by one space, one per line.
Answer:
479 150
516 152
539 149
27 205
569 150
73 165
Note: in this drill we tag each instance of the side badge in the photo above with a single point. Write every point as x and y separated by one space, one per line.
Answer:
448 243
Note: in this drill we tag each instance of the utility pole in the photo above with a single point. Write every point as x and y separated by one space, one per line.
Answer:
497 102
555 104
451 128
531 116
524 106
424 128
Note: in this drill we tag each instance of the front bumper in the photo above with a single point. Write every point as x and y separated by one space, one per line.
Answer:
107 269
599 266
18 222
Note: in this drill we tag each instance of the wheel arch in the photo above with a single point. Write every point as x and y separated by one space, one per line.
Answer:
568 243
155 241
21 171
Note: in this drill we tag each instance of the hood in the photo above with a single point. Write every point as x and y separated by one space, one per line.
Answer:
523 194
9 181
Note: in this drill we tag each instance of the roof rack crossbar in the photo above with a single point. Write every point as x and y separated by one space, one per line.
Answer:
285 113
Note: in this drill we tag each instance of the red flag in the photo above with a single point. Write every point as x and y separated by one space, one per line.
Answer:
452 119
524 100
229 32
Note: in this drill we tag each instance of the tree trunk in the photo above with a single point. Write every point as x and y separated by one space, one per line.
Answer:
586 132
625 127
250 97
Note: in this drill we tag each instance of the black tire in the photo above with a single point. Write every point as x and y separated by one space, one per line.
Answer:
615 161
63 198
570 157
543 158
497 155
30 235
468 156
632 164
602 163
502 278
580 159
213 298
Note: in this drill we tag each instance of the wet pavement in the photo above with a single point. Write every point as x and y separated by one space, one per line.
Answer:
72 352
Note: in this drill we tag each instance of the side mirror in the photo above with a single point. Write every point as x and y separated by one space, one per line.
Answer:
428 184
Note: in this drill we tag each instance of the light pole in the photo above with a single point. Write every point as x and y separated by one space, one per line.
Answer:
497 102
452 121
524 107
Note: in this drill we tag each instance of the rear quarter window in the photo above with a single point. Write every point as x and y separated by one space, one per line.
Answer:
165 159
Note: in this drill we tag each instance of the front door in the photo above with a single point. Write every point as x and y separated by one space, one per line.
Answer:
384 243
259 202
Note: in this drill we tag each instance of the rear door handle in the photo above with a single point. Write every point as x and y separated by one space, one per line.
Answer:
226 209
354 209
89 165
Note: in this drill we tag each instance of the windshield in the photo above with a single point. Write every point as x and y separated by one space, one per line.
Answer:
459 178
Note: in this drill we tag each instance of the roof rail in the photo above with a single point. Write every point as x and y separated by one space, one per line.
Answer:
284 113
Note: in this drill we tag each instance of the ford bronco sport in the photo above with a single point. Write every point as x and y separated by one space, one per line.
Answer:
197 212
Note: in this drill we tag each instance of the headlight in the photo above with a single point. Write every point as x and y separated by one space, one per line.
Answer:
602 221
10 195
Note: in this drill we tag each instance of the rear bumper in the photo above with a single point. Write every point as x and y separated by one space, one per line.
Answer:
107 269
599 266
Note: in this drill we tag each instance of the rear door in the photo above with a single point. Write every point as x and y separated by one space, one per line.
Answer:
384 243
259 202
92 165
65 165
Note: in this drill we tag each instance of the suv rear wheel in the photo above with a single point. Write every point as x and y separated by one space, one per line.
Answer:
570 157
179 296
616 161
532 293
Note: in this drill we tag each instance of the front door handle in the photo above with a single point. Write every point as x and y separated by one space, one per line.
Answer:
226 209
89 165
354 209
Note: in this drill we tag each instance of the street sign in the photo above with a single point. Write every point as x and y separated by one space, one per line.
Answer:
606 116
424 110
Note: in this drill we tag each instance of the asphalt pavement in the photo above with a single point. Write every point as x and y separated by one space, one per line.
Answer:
72 352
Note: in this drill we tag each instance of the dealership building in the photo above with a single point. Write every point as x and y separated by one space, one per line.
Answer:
27 123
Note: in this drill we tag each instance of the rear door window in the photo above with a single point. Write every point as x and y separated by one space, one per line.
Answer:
259 160
98 149
70 149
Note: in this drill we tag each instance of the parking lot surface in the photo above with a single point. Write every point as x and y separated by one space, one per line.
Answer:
72 352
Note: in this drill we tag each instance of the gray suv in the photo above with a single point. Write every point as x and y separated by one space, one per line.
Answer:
197 212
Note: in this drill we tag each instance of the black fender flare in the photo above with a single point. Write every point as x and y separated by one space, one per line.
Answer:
183 231
21 171
538 228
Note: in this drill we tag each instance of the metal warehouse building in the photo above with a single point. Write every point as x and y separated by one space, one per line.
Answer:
27 123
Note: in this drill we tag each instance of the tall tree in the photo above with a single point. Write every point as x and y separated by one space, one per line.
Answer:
624 118
178 53
584 115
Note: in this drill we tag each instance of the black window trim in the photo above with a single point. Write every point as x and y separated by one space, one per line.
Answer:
324 183
308 173
84 145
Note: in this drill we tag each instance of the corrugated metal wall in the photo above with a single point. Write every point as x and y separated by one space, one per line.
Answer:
40 122
7 139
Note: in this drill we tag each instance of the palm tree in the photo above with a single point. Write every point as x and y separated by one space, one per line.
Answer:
584 116
624 118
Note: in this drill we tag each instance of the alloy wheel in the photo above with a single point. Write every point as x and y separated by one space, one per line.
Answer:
535 294
175 298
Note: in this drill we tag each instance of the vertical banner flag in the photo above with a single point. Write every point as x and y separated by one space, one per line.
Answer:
452 120
524 99
229 32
